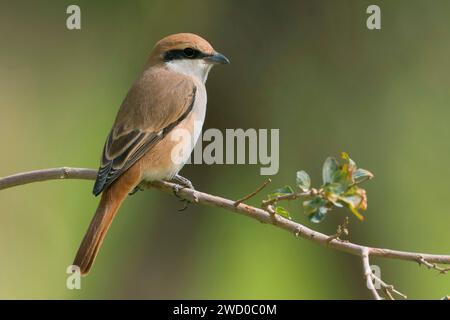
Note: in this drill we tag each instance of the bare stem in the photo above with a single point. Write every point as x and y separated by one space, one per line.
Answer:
368 274
284 197
254 193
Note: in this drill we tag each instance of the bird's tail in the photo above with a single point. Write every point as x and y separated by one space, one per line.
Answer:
109 204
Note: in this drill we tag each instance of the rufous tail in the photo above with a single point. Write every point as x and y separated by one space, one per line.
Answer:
109 204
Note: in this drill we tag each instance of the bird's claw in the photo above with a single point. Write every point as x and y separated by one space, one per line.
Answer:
182 181
180 184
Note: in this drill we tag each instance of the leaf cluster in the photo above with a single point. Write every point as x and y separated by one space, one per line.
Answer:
340 188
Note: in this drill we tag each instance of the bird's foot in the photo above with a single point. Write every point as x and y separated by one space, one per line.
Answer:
136 189
180 184
182 181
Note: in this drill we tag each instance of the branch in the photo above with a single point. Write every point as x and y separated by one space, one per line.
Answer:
250 195
374 282
47 174
368 274
261 215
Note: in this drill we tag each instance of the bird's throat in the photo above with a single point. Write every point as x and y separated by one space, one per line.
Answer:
195 68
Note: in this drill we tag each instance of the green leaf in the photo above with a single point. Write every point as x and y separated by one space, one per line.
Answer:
333 198
330 166
313 204
336 188
361 175
342 178
281 192
282 212
303 180
318 215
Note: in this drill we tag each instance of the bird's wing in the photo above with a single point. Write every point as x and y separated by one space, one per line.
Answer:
156 103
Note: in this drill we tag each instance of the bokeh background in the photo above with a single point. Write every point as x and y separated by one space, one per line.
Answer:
310 68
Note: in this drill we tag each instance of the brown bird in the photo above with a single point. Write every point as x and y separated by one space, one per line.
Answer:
170 94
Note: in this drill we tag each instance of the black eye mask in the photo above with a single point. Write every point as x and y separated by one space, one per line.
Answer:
187 53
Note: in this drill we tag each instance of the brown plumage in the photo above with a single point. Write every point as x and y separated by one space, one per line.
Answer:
169 94
157 101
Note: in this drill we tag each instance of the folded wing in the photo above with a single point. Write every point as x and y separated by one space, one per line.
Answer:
157 102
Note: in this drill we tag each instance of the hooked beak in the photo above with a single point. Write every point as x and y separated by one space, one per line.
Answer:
217 58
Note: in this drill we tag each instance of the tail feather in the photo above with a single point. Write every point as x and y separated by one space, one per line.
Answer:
109 204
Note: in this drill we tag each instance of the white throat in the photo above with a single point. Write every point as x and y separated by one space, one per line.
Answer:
196 68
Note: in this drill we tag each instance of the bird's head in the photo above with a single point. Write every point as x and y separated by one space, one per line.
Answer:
187 53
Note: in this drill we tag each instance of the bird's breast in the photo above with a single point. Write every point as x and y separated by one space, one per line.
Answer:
170 155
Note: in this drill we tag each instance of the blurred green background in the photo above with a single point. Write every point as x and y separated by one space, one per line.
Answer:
310 68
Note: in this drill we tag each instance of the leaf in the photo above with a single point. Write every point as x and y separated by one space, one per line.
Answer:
356 213
354 200
281 192
362 193
349 204
303 180
313 204
318 215
336 188
330 166
356 196
361 175
282 212
333 198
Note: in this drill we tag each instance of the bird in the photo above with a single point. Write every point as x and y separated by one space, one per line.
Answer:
169 94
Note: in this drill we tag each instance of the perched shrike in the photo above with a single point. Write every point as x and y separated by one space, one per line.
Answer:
169 94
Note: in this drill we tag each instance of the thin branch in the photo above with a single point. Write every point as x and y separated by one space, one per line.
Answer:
373 282
368 274
388 289
254 193
265 216
342 230
288 197
47 174
433 266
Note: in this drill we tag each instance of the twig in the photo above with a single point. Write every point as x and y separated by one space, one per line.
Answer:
342 229
288 197
258 214
373 281
388 289
368 274
433 266
253 193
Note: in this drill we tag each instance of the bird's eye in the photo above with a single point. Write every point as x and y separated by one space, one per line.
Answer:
189 52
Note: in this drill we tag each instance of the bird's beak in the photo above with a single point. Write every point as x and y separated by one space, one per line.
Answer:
217 58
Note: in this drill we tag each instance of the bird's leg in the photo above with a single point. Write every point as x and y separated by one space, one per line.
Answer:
139 187
180 184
